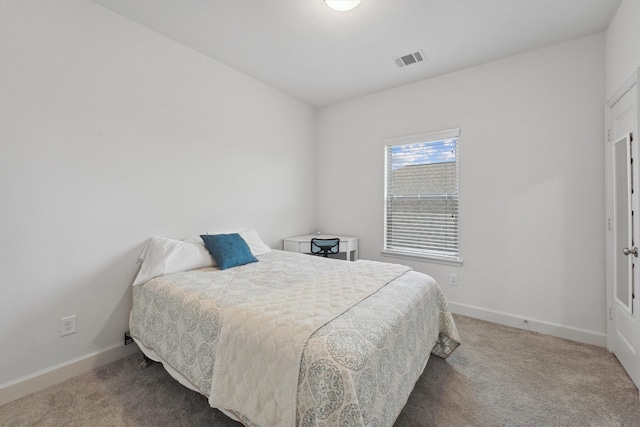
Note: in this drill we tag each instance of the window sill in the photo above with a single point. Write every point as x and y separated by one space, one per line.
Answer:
426 258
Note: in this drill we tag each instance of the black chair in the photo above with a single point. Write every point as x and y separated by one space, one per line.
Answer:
325 246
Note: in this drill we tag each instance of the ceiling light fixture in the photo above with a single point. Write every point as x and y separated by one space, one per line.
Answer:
342 5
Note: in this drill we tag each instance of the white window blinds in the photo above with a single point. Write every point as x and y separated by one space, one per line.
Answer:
421 195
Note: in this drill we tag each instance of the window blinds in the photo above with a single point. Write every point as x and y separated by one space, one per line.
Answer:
421 195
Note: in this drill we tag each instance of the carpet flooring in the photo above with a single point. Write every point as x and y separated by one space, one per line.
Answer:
499 376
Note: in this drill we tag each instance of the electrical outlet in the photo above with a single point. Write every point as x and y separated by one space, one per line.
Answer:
68 325
453 279
127 338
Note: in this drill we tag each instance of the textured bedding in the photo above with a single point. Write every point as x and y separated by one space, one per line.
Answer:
295 339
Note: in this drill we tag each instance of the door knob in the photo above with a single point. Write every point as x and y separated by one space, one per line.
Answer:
628 251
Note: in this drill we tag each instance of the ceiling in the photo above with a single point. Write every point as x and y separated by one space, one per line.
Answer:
322 57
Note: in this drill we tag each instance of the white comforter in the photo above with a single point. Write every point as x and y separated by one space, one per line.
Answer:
284 341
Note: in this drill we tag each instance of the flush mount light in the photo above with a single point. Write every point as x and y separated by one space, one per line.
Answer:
342 5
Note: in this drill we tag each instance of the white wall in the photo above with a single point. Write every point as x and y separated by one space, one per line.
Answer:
622 45
110 134
531 182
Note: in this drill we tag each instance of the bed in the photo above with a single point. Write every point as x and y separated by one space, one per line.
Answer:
292 339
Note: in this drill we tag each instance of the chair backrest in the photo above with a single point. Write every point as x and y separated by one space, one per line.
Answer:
325 246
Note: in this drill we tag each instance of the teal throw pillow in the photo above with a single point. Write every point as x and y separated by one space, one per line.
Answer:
229 250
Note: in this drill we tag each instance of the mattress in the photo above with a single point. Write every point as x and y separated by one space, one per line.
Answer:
295 339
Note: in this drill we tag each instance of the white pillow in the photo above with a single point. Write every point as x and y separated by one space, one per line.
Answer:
165 256
256 245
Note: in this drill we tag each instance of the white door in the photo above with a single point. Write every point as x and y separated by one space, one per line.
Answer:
623 214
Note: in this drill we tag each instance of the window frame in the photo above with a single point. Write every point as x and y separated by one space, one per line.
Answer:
416 139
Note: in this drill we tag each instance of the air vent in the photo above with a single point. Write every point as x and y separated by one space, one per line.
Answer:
412 58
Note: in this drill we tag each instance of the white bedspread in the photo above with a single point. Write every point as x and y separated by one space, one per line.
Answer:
264 383
228 334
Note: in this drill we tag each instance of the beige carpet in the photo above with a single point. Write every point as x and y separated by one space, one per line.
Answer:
500 376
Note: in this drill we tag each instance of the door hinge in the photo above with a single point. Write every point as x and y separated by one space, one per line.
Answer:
610 315
608 134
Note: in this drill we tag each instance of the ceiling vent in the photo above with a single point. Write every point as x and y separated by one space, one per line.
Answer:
412 58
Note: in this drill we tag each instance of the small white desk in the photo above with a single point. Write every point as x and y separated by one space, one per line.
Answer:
302 244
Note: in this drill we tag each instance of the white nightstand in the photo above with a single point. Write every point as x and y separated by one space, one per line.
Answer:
302 244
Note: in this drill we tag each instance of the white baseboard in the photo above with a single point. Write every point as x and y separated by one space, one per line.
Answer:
40 380
548 328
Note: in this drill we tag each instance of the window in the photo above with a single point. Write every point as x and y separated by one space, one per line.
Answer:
421 196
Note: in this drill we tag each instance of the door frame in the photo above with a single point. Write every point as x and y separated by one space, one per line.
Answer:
609 202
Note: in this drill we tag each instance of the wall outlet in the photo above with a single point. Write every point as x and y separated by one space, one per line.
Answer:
453 279
127 338
68 325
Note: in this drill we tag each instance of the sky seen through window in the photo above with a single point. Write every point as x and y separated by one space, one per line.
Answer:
423 153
